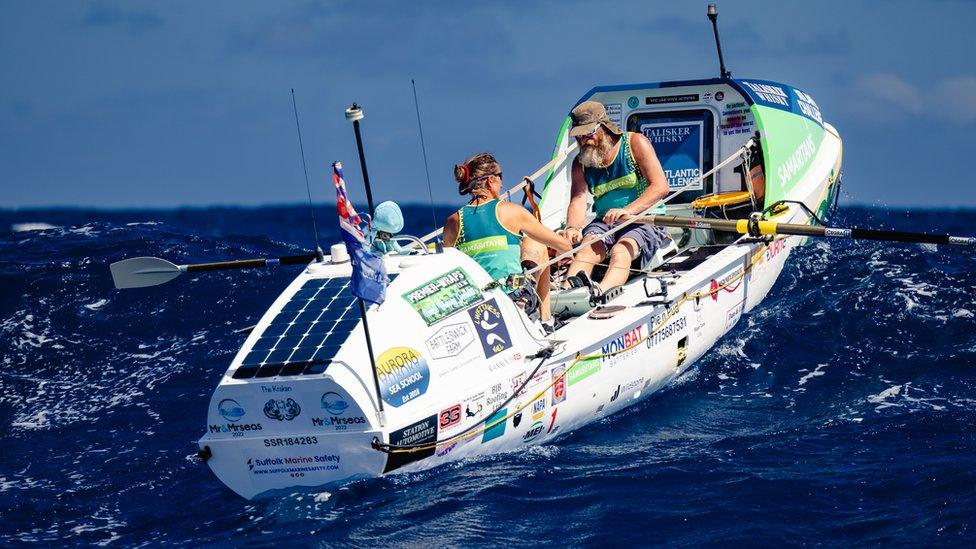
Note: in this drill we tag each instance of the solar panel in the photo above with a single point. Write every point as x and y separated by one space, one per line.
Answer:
306 334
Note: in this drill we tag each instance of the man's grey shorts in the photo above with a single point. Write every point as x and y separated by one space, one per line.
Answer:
648 237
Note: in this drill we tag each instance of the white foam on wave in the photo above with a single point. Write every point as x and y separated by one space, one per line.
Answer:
962 313
96 305
84 230
817 372
24 227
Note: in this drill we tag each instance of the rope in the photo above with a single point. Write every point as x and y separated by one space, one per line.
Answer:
473 430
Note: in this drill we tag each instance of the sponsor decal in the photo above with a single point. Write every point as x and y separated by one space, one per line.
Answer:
444 449
294 466
774 95
449 340
846 233
680 146
474 407
496 395
290 441
403 374
952 239
449 417
334 403
615 113
552 422
736 119
534 431
582 370
683 98
503 362
733 314
719 95
674 327
797 160
633 102
808 106
443 296
615 394
773 249
716 284
492 332
235 429
559 385
230 410
516 419
624 346
496 430
631 385
421 432
538 409
336 407
276 388
282 409
517 382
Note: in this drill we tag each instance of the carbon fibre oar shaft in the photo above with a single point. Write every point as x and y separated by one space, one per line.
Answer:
772 228
141 272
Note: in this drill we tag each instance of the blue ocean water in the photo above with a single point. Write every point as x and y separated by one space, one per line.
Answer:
840 411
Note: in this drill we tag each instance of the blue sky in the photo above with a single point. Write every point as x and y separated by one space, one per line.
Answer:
156 104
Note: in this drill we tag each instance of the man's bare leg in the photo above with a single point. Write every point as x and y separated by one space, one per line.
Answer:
621 256
587 257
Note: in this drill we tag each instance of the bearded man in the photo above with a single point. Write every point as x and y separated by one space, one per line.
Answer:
623 175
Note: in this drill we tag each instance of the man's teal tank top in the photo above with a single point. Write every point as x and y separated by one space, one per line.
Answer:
618 184
483 237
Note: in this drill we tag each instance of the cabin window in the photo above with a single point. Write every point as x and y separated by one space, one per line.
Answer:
684 143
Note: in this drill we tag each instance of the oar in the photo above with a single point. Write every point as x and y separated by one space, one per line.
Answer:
772 228
140 272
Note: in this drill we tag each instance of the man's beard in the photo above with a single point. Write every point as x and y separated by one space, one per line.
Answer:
593 156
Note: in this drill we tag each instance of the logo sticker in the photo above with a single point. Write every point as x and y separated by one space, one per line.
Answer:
450 340
443 296
282 409
449 417
403 375
423 432
334 404
559 386
533 433
230 410
492 331
633 102
496 430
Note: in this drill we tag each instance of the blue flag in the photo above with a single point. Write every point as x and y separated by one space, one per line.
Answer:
369 278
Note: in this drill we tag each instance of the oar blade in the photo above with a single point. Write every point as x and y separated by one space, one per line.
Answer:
141 272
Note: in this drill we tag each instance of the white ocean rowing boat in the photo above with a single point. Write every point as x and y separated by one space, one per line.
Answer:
463 371
460 370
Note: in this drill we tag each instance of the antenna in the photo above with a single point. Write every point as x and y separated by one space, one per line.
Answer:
713 16
423 147
315 231
354 114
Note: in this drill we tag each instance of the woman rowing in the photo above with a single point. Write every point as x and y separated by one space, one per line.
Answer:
492 232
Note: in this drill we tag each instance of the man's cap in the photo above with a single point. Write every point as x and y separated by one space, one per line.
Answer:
587 115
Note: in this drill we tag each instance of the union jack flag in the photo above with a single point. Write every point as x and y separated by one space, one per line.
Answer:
369 278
